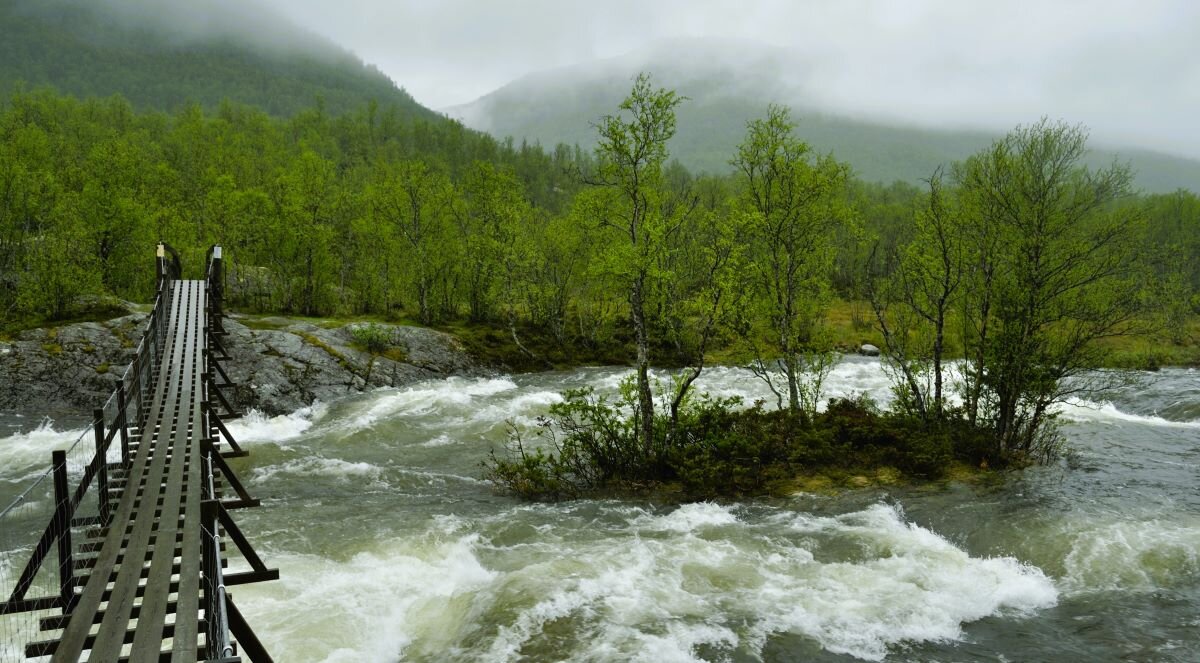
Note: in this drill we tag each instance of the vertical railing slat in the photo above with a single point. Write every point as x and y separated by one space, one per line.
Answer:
63 513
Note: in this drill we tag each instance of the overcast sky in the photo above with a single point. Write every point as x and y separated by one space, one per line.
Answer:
1129 69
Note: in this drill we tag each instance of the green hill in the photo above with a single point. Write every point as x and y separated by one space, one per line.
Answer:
728 84
162 54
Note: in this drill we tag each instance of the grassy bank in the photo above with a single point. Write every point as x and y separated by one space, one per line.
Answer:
849 325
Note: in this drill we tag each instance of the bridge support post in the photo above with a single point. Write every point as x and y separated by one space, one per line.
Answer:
230 413
216 291
160 266
102 469
216 423
123 422
63 513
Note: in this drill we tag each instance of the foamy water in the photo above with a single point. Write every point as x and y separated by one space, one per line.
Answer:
257 427
1134 555
33 447
391 547
655 587
1077 409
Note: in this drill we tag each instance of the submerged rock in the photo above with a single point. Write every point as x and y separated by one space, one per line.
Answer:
277 371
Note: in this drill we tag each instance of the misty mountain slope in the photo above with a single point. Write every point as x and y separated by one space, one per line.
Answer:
161 54
728 84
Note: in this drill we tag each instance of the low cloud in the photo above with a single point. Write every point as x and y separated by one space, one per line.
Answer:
1130 70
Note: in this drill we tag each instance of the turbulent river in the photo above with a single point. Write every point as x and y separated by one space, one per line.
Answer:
392 548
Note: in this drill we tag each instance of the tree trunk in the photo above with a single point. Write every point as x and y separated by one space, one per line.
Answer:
423 301
793 380
677 401
307 305
938 342
976 390
645 396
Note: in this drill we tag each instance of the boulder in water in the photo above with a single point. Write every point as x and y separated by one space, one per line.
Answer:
868 350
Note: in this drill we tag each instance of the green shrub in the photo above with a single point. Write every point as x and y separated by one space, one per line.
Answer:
531 475
372 337
923 453
586 444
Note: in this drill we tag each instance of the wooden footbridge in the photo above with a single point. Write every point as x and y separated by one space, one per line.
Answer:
141 537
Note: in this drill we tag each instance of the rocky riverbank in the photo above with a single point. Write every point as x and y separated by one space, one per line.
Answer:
276 370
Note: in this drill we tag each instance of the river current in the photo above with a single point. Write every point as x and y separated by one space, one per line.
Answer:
392 548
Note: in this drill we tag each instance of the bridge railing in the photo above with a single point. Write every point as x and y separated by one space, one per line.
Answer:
74 492
218 643
223 620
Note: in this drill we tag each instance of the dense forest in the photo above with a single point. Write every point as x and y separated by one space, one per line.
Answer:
88 185
144 52
372 212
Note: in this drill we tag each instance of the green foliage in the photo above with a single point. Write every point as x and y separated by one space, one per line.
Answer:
725 451
56 272
631 202
1033 261
1062 272
490 219
795 205
586 444
879 440
1170 246
320 215
914 302
375 339
532 475
668 242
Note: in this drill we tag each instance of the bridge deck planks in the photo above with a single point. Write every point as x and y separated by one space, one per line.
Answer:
168 464
148 641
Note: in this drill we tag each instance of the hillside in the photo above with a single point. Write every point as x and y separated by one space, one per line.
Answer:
166 53
728 84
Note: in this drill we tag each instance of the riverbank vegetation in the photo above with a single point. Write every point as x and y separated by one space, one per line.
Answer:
708 448
1025 268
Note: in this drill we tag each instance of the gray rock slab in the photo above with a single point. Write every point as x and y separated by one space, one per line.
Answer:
277 371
